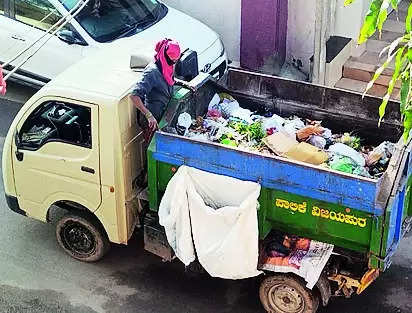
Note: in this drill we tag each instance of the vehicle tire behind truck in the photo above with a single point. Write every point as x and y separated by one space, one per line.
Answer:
82 237
283 293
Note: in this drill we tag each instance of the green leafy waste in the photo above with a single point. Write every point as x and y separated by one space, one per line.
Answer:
253 131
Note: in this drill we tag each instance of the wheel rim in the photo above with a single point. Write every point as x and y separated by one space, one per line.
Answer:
285 299
78 239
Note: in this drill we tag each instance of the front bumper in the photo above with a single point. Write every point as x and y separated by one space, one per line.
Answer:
13 204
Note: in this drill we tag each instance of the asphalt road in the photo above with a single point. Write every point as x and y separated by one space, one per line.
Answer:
36 276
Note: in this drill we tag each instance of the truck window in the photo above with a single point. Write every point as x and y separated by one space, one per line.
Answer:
38 13
57 121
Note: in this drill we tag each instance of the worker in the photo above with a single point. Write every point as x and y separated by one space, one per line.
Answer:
154 88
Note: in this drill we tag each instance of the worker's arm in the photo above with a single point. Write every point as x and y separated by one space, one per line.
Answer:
143 87
137 101
184 84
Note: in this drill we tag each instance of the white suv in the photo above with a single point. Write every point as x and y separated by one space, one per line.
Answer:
140 23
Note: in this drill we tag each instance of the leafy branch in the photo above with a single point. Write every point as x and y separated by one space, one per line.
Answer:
399 50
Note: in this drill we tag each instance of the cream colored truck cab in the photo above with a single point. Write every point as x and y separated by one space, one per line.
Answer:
76 145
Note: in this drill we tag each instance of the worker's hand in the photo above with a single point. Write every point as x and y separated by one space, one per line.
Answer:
152 123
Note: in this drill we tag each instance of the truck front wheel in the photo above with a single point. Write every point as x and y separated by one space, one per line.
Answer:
286 294
81 236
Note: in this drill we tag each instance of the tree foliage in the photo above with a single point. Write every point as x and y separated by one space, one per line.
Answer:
399 51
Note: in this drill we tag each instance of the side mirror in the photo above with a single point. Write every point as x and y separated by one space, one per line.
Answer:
70 37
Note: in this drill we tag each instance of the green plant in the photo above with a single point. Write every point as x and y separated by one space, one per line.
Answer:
400 50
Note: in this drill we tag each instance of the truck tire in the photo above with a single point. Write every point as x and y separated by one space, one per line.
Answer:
81 236
282 293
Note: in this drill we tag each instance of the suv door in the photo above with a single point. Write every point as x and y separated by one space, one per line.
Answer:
10 42
31 19
56 156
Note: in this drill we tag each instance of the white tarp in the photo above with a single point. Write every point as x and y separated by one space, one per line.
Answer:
221 213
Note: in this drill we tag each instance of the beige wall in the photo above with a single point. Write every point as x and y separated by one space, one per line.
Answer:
223 16
301 31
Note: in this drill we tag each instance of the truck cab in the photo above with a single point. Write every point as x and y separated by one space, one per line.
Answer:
76 145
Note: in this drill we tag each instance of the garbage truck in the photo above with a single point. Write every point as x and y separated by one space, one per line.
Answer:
76 145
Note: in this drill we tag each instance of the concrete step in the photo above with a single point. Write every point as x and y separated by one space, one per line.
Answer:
363 68
375 46
404 5
394 26
400 15
353 71
386 36
360 86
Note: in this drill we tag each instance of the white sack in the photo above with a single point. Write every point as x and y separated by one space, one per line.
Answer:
223 213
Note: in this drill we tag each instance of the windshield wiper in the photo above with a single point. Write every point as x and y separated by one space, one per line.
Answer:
131 29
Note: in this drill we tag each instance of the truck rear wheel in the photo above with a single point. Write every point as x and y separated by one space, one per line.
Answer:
81 236
287 294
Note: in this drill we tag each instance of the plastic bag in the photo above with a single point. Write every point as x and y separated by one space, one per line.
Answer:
342 164
292 126
318 141
383 151
274 122
345 150
240 114
214 102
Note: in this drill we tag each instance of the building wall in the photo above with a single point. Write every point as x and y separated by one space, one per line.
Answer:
348 20
301 32
222 16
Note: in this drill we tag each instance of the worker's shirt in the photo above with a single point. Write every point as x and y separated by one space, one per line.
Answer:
154 91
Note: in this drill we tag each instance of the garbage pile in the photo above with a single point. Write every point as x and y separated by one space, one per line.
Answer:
305 140
286 253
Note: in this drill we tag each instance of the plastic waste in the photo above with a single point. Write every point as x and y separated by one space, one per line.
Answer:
292 126
345 150
228 107
242 115
327 133
229 142
183 123
214 113
342 164
275 122
382 152
305 132
318 141
214 102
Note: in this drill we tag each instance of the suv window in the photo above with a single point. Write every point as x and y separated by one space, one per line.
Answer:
1 6
57 121
38 13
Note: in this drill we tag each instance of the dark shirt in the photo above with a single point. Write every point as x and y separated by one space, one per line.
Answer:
154 91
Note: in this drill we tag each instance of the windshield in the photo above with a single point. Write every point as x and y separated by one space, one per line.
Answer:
107 20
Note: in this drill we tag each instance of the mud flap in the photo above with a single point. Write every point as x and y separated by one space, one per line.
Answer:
155 240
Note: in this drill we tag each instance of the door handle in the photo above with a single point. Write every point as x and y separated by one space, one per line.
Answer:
19 155
17 37
87 169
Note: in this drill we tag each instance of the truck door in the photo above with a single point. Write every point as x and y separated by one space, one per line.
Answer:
56 156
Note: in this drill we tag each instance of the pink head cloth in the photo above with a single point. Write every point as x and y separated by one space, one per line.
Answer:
172 49
3 84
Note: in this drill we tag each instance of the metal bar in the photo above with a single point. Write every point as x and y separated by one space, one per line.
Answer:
68 15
